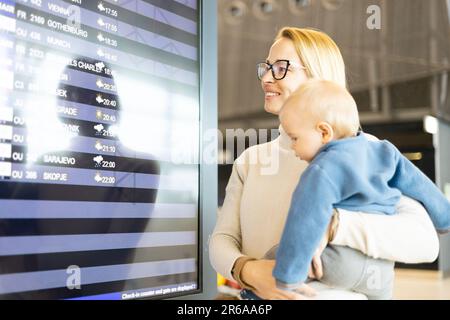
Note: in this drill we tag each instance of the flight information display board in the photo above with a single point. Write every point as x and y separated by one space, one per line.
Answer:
99 143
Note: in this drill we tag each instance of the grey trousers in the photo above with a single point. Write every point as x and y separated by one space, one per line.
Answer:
349 269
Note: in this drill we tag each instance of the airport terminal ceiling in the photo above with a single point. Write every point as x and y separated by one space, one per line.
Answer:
411 46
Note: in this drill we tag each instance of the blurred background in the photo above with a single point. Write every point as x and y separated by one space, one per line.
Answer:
398 75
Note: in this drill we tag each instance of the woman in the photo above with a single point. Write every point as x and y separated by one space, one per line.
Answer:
252 218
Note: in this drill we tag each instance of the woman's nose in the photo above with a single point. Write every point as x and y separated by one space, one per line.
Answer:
268 77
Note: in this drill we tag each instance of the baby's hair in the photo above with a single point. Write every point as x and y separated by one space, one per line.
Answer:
330 102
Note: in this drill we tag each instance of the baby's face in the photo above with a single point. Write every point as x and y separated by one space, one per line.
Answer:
305 137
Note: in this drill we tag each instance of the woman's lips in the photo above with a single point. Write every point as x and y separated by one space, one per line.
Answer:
271 95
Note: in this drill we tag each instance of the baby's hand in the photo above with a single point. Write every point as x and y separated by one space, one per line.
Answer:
301 291
316 270
306 290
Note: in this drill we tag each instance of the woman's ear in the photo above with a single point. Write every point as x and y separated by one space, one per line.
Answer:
326 130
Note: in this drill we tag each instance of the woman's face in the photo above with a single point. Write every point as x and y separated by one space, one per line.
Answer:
278 91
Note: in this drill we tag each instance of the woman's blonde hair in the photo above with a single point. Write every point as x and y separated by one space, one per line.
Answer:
318 53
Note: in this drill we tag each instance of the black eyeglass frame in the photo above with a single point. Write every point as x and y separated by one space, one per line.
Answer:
288 62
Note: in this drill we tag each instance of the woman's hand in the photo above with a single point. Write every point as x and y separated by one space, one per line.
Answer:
258 274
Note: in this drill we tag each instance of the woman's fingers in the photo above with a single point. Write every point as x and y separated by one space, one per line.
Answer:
272 295
262 296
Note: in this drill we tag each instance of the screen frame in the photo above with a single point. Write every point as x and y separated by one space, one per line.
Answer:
208 191
208 118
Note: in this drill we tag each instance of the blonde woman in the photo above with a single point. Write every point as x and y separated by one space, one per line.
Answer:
252 218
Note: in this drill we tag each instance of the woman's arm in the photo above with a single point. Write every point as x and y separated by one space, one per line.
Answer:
225 244
408 236
225 241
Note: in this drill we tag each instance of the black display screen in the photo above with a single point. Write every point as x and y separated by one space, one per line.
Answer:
99 142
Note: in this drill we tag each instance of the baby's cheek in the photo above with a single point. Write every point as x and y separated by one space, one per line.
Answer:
293 146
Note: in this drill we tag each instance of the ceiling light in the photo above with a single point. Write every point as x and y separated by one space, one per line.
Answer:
299 6
264 9
332 4
430 125
235 11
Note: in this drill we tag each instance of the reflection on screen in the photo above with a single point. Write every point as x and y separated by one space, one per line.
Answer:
98 102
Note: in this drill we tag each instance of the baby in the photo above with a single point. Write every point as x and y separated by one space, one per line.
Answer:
346 171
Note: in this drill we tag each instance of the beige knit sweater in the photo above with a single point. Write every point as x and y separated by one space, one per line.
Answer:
257 200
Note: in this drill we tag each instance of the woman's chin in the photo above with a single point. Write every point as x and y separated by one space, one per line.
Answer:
270 108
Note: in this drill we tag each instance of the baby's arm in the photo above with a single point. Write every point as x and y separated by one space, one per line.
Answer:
307 221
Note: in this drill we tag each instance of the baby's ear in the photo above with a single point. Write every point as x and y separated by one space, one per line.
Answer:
326 131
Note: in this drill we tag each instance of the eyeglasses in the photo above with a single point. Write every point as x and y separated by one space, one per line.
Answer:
279 69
